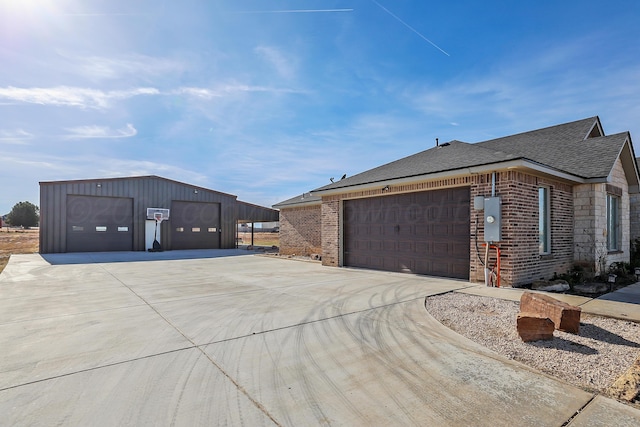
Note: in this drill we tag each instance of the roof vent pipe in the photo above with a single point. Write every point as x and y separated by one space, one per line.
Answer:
437 143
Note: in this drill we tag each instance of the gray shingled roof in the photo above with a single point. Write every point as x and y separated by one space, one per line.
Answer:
565 148
302 199
589 158
446 157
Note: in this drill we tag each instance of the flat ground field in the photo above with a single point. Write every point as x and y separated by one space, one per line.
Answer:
259 239
16 241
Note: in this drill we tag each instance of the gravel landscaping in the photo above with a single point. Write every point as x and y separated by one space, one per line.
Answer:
605 349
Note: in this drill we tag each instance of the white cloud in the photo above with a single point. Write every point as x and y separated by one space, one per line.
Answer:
17 136
114 168
18 165
138 66
230 89
85 98
82 132
197 92
70 96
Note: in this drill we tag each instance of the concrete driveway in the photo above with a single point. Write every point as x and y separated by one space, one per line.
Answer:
226 338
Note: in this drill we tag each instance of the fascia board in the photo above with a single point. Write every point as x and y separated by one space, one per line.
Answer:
297 204
518 164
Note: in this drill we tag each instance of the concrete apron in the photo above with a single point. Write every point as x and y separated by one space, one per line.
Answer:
249 340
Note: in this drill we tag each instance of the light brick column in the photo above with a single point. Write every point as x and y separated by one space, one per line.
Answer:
330 214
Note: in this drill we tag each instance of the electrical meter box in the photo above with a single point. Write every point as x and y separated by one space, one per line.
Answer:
492 219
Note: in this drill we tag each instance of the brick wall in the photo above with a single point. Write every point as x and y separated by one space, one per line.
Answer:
331 231
619 180
590 230
578 224
300 230
584 200
521 261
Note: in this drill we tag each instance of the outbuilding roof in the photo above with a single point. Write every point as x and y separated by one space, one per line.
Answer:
577 150
305 199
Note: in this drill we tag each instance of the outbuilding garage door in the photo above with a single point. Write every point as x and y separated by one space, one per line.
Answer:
99 224
195 225
424 233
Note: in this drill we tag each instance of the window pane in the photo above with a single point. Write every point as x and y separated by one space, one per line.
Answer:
613 204
543 220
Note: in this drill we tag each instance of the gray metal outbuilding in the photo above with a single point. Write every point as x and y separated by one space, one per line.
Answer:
96 215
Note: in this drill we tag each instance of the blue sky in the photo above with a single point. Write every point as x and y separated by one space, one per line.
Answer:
269 99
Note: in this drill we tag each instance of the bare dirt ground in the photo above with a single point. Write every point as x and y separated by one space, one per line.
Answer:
259 239
16 241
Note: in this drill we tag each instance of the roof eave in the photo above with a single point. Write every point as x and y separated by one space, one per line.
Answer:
517 164
628 159
300 204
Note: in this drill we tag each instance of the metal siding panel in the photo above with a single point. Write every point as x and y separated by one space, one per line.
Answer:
43 240
129 187
227 221
145 192
60 198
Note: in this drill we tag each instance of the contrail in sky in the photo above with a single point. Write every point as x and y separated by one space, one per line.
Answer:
410 27
102 14
299 11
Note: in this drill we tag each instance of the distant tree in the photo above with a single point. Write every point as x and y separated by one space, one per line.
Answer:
24 214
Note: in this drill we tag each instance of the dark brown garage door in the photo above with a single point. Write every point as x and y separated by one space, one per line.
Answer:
195 225
424 233
99 224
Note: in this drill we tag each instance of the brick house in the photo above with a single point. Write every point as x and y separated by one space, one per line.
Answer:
563 196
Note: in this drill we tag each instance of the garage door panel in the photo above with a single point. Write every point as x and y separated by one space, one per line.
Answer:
440 269
195 225
425 232
406 247
99 224
441 248
423 247
441 230
422 230
376 245
390 246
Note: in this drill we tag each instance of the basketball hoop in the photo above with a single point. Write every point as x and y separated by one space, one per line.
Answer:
158 216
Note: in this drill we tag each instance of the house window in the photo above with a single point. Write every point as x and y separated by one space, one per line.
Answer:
544 219
613 222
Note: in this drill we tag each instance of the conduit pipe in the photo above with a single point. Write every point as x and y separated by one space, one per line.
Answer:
486 252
